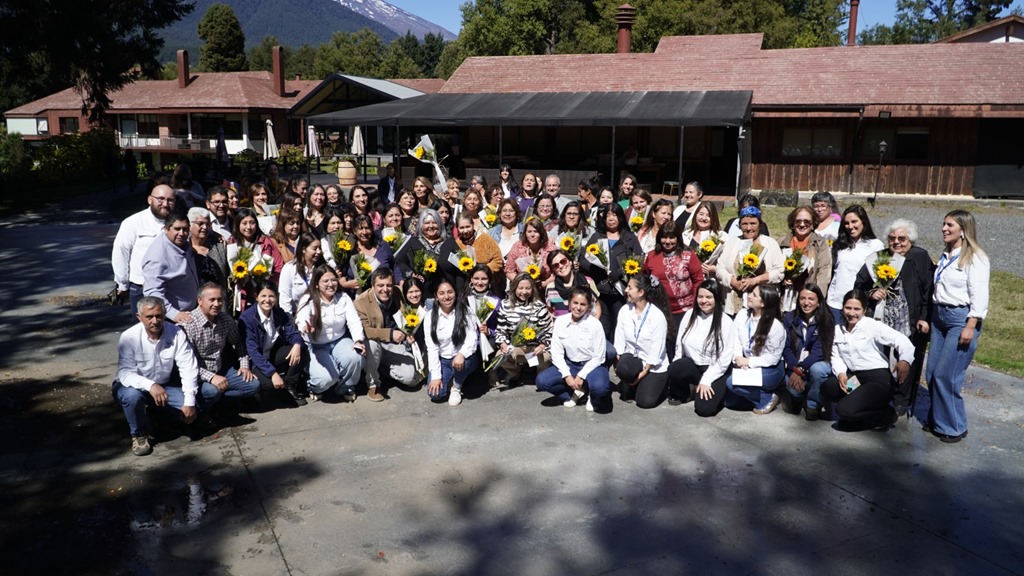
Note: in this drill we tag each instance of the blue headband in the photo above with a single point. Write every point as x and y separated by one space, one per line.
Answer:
751 211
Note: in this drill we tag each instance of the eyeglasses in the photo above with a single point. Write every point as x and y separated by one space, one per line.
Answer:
163 200
898 239
802 222
219 202
560 263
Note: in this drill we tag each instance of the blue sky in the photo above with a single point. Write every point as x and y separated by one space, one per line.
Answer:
447 14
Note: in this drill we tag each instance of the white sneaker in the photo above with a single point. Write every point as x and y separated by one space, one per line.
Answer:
574 400
590 405
455 397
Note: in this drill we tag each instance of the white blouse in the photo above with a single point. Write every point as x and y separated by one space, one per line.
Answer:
338 318
963 287
643 335
581 341
847 263
693 345
865 347
293 287
771 352
445 348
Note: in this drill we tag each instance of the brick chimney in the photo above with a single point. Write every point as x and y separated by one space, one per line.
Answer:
851 35
625 17
278 57
183 71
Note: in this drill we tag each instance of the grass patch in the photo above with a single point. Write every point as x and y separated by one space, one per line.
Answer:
1003 330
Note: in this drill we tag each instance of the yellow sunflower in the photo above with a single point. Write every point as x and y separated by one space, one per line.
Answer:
430 265
593 249
751 260
276 212
259 270
631 267
490 305
790 264
708 246
412 320
886 272
637 220
529 333
344 245
533 270
466 263
490 219
390 238
567 243
418 152
366 266
239 270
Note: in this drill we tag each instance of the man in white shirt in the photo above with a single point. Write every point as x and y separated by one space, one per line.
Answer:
553 188
147 354
134 237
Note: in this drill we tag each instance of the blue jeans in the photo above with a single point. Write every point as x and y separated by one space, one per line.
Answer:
452 377
237 386
134 401
812 385
947 369
334 366
550 380
771 378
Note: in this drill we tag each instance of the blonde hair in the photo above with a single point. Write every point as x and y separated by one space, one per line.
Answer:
970 247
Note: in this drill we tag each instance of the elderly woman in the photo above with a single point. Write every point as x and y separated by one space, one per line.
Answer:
750 261
906 305
209 252
430 238
815 251
829 220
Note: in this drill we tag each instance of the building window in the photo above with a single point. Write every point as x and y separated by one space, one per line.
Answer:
69 125
205 126
905 143
816 143
148 125
42 127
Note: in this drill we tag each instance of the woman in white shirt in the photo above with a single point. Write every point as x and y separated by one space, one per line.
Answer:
855 244
296 274
640 337
760 341
960 304
578 354
704 352
861 385
452 335
329 323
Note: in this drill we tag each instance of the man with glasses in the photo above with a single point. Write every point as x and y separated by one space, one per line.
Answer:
134 237
217 203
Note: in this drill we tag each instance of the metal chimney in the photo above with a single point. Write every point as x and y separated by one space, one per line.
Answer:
851 35
625 17
183 71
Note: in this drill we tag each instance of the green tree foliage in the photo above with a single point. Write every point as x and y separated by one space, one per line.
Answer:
359 53
430 53
81 157
924 21
396 63
14 159
451 58
97 46
224 48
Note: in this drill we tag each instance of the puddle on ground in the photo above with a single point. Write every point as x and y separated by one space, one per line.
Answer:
179 506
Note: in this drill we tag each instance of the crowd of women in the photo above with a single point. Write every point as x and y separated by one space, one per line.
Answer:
826 317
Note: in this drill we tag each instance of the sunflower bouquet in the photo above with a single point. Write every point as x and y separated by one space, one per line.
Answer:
597 254
362 266
342 250
570 244
249 266
749 262
485 308
883 271
529 265
636 223
794 265
525 335
464 260
490 216
394 238
630 265
409 319
423 263
710 248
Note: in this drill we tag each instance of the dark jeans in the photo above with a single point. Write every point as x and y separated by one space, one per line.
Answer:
868 403
684 373
902 392
294 376
649 392
611 304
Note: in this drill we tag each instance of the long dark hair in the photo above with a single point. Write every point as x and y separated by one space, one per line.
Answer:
305 239
364 219
512 299
580 226
822 317
714 338
843 240
236 232
652 208
459 331
655 296
770 312
314 295
414 282
579 281
670 230
372 200
602 217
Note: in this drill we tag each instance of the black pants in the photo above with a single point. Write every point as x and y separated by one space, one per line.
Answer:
868 403
684 373
612 303
294 377
902 392
649 392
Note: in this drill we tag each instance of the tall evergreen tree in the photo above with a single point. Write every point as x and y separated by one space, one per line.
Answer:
224 48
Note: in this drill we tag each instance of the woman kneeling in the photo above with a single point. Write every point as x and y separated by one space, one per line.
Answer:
578 353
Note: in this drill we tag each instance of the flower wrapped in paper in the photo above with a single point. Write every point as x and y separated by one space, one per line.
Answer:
529 265
629 266
409 319
362 266
570 244
490 216
524 336
342 250
793 265
749 262
710 248
424 263
597 254
484 308
425 152
395 239
464 260
884 272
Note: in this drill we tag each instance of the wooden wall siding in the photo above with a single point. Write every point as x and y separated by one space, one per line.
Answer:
948 171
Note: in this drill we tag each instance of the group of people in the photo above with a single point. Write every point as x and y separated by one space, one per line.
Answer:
310 290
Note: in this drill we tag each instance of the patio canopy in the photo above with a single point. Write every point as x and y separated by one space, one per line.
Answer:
698 108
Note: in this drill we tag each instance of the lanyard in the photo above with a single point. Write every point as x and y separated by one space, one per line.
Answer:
638 329
940 268
750 335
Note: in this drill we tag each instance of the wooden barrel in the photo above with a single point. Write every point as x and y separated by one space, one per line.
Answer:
347 173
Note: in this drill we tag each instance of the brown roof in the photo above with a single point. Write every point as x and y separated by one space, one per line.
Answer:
936 74
221 90
425 85
1011 19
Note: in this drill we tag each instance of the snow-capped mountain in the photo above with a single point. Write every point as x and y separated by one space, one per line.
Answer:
395 18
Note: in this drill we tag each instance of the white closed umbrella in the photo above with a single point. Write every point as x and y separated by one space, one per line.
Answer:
270 143
357 142
312 146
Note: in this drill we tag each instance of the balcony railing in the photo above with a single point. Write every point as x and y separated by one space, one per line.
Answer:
185 143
